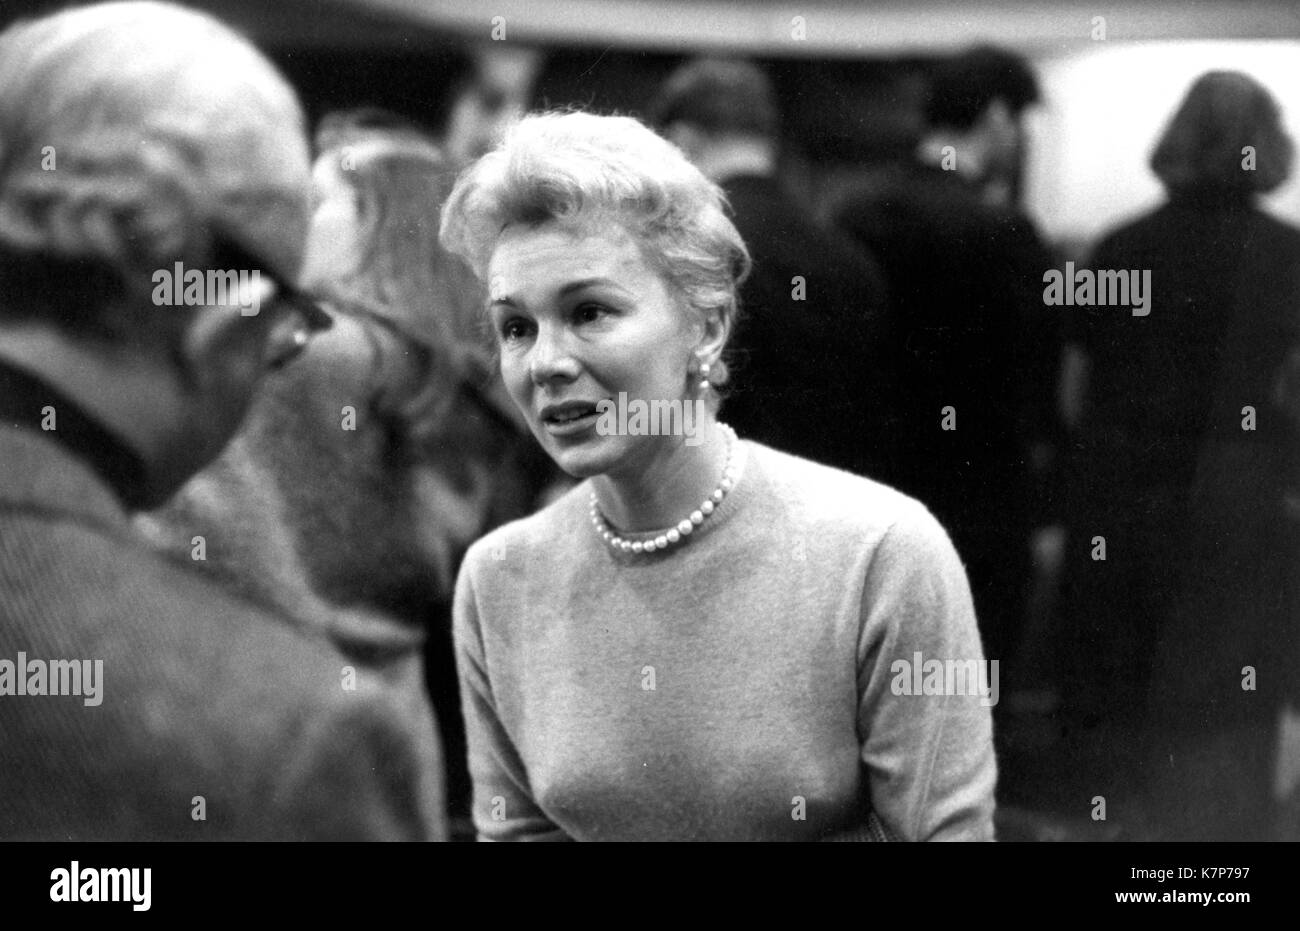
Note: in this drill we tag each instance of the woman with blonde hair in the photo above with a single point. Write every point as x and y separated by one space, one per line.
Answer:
705 638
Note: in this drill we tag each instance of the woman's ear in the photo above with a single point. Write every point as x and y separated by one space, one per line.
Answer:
716 330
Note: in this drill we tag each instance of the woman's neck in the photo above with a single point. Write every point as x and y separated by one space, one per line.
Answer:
676 481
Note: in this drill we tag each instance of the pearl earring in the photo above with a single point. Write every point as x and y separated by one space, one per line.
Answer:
705 384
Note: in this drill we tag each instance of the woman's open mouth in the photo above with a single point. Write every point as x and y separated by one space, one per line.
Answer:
569 419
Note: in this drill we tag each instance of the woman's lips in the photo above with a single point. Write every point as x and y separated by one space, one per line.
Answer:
570 425
570 421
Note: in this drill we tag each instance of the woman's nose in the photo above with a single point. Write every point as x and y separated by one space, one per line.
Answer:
551 357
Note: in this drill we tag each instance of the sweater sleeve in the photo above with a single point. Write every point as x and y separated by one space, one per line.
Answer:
503 807
928 757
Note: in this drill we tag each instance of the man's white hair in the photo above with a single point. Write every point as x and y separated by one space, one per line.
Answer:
131 132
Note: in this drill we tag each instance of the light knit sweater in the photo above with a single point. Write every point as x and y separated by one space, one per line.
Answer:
737 686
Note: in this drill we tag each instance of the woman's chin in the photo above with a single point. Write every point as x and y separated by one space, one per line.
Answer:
581 464
582 460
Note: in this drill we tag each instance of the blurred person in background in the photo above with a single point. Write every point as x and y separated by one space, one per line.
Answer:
358 523
489 97
215 719
807 362
1186 464
375 177
976 103
701 640
971 423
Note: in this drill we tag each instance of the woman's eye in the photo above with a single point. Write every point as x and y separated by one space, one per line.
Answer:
589 313
514 328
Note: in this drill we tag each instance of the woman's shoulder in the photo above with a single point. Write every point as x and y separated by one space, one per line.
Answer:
828 500
552 522
857 527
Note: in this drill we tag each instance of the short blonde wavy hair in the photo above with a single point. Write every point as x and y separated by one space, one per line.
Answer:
574 166
164 127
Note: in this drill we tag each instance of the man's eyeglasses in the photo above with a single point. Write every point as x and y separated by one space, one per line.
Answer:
231 255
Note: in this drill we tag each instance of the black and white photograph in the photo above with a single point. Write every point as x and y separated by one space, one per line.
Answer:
650 421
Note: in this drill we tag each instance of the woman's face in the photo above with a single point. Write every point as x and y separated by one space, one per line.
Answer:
581 316
334 237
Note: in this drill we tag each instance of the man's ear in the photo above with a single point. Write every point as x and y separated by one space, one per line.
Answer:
367 212
213 341
220 342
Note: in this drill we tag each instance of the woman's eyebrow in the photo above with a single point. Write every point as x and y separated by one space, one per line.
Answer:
565 290
588 283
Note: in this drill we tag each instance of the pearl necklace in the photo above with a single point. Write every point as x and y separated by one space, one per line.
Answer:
687 525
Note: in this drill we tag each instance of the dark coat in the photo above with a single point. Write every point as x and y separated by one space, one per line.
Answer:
1201 564
967 330
803 367
202 693
1192 618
